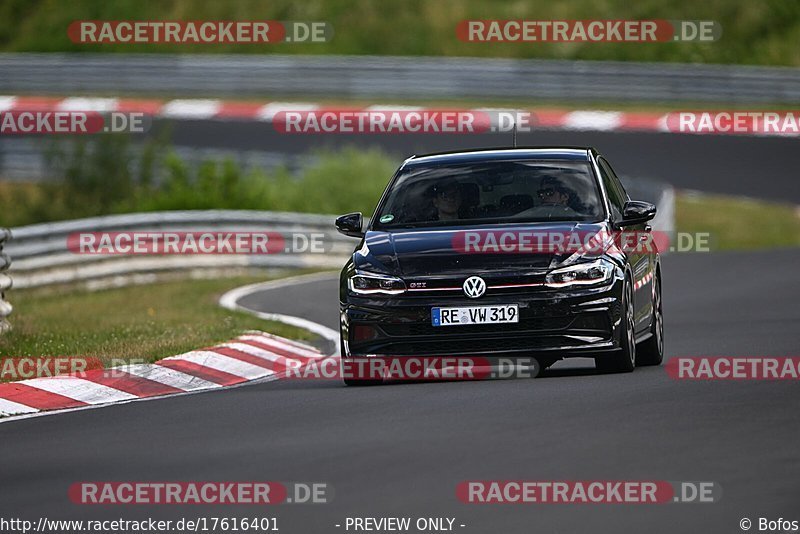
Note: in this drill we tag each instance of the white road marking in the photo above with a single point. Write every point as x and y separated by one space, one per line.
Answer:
230 300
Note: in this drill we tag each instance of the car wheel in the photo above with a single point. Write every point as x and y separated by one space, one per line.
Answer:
624 359
353 381
651 352
359 381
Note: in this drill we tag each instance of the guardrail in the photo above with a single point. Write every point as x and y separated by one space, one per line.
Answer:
5 282
368 77
42 257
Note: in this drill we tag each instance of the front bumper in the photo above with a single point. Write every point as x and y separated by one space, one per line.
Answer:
553 323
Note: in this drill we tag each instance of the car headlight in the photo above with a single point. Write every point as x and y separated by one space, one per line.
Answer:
597 272
364 283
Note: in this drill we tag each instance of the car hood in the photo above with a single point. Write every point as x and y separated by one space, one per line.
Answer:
438 252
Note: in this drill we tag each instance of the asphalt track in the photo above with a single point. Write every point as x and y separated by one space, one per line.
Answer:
400 450
761 167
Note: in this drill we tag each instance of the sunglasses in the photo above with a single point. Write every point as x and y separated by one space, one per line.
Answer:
543 193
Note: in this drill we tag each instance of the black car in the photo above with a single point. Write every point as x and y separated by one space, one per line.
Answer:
441 269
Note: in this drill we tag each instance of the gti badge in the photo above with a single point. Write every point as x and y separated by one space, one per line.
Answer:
474 287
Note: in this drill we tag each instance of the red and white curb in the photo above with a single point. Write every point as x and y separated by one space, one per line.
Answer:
213 109
252 356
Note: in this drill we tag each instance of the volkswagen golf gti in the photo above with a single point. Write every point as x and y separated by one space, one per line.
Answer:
534 253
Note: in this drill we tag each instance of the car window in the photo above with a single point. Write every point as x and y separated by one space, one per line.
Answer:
615 179
616 193
491 192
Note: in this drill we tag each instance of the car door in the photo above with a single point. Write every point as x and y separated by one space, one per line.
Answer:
641 258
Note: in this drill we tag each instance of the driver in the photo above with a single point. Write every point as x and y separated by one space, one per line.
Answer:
447 201
553 193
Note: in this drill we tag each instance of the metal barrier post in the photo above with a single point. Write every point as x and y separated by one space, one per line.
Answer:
5 282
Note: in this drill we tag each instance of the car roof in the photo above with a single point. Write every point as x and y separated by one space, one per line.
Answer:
499 154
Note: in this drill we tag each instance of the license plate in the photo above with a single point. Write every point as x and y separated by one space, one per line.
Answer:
475 315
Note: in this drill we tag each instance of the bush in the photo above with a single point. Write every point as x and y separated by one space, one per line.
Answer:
351 180
106 177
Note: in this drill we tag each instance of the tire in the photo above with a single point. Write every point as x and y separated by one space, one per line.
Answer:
651 351
624 359
359 382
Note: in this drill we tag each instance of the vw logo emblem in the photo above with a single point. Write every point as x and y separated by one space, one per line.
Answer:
474 287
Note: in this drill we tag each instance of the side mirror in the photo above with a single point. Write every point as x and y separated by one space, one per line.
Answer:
350 224
637 212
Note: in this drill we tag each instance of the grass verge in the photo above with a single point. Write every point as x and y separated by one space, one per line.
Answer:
147 322
539 104
738 223
760 33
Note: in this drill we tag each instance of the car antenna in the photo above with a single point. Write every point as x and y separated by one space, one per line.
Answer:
515 133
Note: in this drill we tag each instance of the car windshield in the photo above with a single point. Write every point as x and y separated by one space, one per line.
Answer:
491 193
